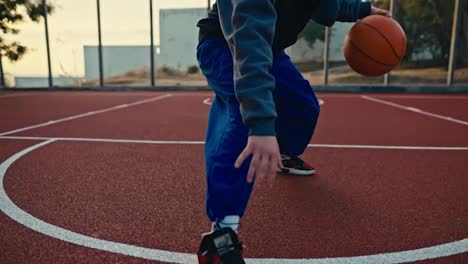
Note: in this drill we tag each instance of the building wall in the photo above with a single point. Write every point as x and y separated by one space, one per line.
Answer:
31 82
178 41
116 60
179 36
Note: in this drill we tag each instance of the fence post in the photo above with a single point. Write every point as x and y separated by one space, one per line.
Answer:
325 55
101 73
454 41
2 74
46 24
152 43
392 11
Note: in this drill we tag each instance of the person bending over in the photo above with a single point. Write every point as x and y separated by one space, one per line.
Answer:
264 112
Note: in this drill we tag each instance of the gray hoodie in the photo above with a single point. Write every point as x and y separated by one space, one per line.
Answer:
253 30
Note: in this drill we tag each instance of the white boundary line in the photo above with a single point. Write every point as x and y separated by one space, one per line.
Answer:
15 95
385 147
13 211
86 114
424 96
415 110
390 95
107 140
208 101
24 218
208 93
192 142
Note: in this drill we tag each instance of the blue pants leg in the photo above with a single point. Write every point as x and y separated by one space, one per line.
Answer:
228 191
296 105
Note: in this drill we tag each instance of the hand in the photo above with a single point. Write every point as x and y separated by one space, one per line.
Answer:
378 11
266 158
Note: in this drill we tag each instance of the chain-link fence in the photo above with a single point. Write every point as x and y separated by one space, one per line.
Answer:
144 44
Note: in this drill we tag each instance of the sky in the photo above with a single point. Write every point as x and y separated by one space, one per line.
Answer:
74 24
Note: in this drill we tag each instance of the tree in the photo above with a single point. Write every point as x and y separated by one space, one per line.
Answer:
312 33
463 49
427 24
13 12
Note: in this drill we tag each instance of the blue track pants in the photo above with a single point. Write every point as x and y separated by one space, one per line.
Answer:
228 191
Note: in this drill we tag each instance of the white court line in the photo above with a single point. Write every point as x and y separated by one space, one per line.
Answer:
199 93
24 218
52 122
208 93
191 142
8 207
107 140
385 147
106 93
415 110
208 101
399 96
424 96
352 95
15 95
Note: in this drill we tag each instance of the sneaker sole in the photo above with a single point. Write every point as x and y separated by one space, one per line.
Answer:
296 172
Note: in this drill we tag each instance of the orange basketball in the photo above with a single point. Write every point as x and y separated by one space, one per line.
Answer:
375 45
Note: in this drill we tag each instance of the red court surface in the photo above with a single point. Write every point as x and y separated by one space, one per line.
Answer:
25 109
118 177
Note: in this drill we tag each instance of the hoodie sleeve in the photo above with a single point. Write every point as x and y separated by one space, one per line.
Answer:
330 11
352 10
248 27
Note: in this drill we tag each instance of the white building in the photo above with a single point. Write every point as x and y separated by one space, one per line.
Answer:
177 49
179 36
29 82
116 60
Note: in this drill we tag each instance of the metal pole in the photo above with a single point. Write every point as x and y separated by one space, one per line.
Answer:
325 55
2 74
152 43
454 41
101 72
392 11
49 66
209 5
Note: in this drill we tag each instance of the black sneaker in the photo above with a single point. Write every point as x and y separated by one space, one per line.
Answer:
295 165
220 246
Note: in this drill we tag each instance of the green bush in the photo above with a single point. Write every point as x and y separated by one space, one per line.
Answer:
193 69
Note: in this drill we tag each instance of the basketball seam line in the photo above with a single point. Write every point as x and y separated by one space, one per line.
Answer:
368 56
385 37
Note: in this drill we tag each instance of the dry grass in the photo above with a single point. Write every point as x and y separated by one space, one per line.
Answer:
141 77
344 75
338 75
